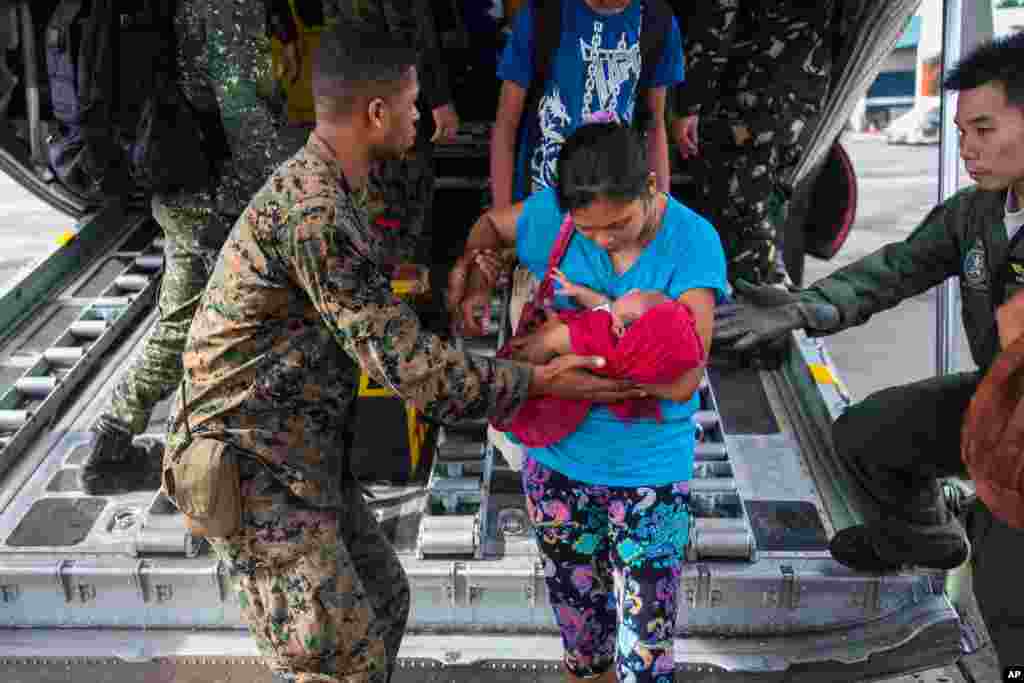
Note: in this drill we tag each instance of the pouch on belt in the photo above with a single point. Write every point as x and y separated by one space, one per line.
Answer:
203 481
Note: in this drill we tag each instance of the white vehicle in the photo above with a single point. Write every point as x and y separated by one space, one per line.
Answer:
919 126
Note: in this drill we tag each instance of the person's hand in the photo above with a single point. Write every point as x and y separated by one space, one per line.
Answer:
684 134
537 347
290 67
566 287
446 124
469 296
567 377
1010 320
769 314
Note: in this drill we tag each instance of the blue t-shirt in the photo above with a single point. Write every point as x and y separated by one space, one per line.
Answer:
596 68
685 254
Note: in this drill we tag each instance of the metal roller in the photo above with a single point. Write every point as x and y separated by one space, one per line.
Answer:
711 469
36 387
132 282
710 450
449 535
725 538
88 329
456 446
63 356
150 262
707 419
13 420
715 484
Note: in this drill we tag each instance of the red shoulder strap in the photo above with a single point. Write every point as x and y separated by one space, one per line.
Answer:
547 286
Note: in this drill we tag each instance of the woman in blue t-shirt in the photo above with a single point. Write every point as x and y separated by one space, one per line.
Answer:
609 502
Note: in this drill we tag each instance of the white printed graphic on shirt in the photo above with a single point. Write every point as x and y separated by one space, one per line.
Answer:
608 70
554 118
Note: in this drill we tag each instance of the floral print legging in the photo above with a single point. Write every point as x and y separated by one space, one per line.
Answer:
612 562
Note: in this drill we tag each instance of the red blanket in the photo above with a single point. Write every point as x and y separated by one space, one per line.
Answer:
656 349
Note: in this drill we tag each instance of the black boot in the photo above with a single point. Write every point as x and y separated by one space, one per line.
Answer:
116 464
891 544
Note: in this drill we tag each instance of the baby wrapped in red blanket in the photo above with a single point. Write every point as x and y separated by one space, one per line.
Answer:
643 336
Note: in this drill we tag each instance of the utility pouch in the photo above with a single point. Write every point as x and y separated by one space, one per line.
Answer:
204 482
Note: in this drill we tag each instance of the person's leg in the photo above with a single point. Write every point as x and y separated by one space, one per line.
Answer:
572 538
996 552
115 465
313 618
649 529
157 368
377 565
896 443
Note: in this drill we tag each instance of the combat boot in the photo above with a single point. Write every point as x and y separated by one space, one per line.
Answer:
117 464
889 545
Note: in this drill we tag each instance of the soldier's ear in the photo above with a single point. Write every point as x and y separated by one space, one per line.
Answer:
376 110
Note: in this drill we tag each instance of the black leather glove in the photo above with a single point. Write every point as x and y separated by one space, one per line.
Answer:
116 465
768 314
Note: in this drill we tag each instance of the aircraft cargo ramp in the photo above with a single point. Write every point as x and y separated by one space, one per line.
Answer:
114 587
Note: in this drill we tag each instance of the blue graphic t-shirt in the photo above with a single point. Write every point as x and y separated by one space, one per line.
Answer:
596 68
685 254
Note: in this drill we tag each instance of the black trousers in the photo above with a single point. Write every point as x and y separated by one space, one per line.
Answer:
897 441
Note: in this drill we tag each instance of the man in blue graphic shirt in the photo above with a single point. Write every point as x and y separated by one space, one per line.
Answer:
596 68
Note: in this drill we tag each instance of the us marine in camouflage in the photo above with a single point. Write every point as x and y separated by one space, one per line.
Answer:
757 74
297 307
225 72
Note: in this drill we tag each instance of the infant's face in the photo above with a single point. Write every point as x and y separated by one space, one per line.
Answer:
629 307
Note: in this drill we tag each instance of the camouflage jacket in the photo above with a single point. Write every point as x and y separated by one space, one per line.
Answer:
295 306
224 67
738 46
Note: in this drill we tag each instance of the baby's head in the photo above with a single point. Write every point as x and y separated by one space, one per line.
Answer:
629 307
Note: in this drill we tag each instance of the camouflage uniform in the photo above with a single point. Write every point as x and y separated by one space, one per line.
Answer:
297 304
400 193
225 69
757 73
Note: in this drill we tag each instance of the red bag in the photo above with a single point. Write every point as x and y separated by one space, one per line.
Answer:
531 315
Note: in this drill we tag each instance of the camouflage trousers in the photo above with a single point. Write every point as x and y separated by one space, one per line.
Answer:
322 590
188 261
399 199
756 131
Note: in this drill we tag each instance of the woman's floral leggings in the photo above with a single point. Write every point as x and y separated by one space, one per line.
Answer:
612 562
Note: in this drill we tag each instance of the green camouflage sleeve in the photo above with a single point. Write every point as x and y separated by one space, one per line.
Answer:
896 271
709 37
381 333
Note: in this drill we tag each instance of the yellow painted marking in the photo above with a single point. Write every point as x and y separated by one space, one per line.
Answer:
65 237
821 374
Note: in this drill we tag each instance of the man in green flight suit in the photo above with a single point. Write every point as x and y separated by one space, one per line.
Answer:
899 440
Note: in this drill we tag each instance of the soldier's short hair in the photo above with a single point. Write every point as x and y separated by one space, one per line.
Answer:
997 61
356 63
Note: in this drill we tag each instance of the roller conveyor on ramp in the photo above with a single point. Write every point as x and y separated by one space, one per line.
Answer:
117 580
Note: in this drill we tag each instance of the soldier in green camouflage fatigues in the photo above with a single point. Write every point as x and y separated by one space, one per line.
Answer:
224 63
757 73
296 305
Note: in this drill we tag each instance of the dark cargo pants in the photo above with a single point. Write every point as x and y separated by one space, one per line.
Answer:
322 590
897 441
156 369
